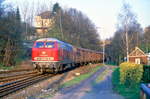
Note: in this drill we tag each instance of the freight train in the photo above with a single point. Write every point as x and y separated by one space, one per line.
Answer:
53 55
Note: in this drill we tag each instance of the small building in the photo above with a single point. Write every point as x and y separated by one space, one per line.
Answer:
138 56
43 22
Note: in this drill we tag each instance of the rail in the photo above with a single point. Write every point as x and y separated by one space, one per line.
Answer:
16 70
18 76
145 91
14 86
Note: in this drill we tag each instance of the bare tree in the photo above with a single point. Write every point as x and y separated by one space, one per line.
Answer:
146 39
76 26
30 9
131 28
127 36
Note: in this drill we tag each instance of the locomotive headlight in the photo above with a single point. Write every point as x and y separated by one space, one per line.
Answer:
35 58
51 58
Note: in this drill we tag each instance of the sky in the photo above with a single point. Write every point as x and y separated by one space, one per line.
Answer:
104 13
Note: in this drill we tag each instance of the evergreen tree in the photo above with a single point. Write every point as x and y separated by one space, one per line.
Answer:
1 8
56 8
10 37
18 15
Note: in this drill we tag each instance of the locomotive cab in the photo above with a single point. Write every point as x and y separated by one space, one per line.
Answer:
45 54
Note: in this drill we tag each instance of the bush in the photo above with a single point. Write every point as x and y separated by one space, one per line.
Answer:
130 73
128 93
115 78
146 74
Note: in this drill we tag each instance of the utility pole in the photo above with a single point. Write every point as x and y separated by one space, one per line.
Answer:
103 45
127 43
127 48
60 21
26 30
103 52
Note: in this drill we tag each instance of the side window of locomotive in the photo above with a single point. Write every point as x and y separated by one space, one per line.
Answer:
49 45
59 46
78 53
39 45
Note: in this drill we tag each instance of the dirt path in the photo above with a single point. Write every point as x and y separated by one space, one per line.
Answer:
88 90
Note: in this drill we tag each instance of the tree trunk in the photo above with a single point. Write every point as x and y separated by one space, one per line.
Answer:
7 53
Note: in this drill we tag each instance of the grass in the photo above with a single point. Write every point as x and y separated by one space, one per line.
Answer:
45 96
111 63
102 76
17 60
128 93
6 67
80 78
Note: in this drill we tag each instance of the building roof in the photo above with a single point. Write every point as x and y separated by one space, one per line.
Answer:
137 52
45 15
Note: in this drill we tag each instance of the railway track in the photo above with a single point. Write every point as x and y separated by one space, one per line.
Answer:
17 70
4 79
16 85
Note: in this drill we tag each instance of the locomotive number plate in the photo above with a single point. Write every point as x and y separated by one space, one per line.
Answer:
43 58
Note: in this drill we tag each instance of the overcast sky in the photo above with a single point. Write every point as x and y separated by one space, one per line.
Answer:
104 13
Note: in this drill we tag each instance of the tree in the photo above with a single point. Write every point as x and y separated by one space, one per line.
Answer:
28 11
56 8
73 26
131 28
10 36
18 15
1 7
146 40
127 36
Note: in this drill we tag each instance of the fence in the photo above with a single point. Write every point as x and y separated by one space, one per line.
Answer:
145 91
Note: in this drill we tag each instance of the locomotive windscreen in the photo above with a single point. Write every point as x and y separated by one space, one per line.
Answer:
39 45
49 45
44 45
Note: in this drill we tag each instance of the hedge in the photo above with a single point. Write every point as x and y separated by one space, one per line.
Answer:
130 73
146 74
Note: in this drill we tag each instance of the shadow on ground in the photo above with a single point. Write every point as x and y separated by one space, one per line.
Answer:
88 89
102 90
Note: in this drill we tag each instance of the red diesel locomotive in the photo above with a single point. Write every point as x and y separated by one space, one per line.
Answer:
50 54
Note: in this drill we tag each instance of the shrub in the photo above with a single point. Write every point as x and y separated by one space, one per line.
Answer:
130 73
146 74
128 93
